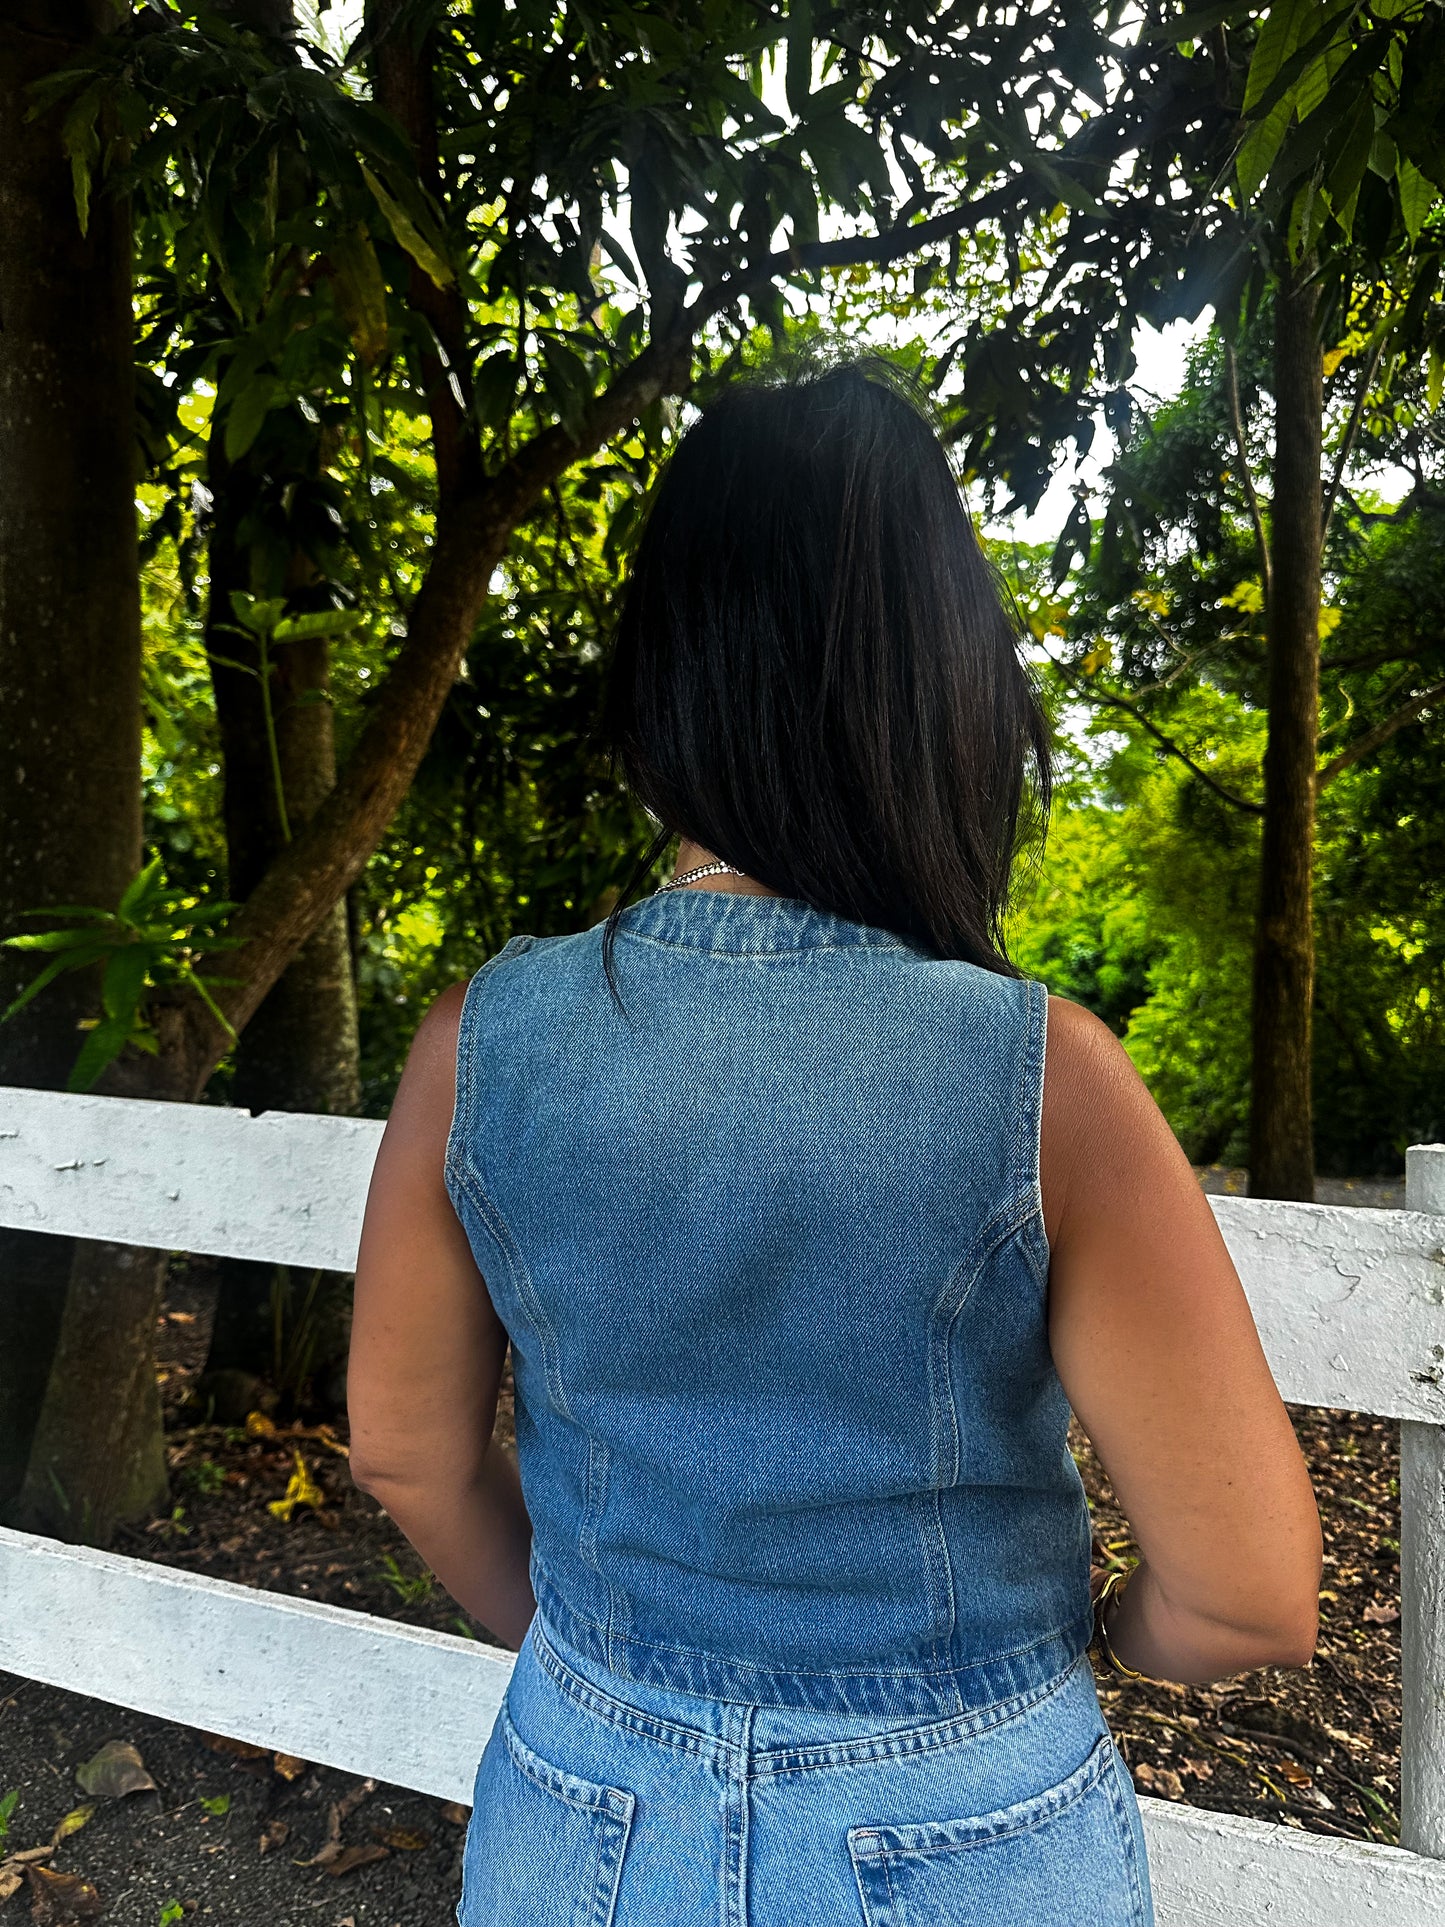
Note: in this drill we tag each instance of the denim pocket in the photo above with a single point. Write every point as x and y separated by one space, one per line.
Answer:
544 1848
1065 1858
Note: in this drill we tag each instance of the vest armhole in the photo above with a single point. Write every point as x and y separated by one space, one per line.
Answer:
1028 1177
457 1162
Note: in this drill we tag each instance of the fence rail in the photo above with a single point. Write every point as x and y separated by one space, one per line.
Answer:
1351 1309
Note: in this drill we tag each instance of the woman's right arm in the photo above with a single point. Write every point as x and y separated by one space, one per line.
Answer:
1155 1345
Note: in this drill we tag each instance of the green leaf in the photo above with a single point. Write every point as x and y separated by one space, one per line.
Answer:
1342 185
246 414
407 233
67 910
52 970
800 56
1435 380
360 291
82 147
1278 38
123 986
100 1049
142 890
569 383
1417 196
258 615
317 622
54 940
494 387
1262 144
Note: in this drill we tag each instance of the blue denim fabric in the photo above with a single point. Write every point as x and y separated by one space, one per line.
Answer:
770 1253
603 1803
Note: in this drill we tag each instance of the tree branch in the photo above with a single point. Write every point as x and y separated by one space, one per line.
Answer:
1352 430
1236 418
1367 744
403 81
1107 698
331 852
1337 665
852 251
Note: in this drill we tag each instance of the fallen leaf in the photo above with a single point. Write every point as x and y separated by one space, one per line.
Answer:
352 1799
454 1811
11 1879
404 1839
301 1489
1199 1769
258 1426
1162 1780
115 1771
1295 1773
349 1857
238 1749
288 1766
61 1898
72 1823
275 1833
1377 1615
332 1850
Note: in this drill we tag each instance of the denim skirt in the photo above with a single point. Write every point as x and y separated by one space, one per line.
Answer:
602 1803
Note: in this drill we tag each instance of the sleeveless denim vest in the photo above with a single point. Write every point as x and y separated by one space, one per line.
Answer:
769 1250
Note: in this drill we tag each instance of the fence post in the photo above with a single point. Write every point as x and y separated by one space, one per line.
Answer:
1422 1575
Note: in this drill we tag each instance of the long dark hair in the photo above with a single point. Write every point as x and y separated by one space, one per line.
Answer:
814 672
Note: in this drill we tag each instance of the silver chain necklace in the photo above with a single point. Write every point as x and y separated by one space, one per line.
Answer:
703 870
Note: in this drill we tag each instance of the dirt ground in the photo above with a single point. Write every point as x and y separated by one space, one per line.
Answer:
230 1835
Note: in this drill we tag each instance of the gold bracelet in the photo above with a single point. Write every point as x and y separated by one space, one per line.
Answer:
1112 1591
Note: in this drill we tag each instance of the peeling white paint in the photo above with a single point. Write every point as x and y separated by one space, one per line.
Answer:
395 1703
285 1186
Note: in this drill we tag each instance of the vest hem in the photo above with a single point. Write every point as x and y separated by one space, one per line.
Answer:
905 1693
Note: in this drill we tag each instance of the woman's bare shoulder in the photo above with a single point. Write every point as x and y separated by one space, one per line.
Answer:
1100 1125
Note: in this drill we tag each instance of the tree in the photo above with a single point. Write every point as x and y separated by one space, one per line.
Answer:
1309 178
533 229
70 827
1145 910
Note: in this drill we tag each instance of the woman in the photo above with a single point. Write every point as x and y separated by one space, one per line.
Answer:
805 1245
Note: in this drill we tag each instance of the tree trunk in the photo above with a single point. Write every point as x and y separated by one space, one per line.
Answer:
311 874
300 1052
70 808
98 1455
1281 1138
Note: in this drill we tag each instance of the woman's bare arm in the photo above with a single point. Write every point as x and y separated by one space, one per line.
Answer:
1156 1347
426 1356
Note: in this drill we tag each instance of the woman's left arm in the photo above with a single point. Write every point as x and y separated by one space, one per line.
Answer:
426 1356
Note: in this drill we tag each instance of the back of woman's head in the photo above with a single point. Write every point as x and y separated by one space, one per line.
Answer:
814 675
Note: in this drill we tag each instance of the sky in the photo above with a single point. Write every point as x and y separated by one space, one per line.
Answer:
1161 356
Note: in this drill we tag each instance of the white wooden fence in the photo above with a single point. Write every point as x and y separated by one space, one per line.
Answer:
1350 1304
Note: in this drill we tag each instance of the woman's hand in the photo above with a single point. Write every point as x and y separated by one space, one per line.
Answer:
1156 1347
427 1351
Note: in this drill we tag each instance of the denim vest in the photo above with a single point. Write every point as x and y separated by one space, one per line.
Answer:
770 1254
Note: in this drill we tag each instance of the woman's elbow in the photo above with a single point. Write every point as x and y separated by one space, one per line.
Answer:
1299 1632
377 1463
